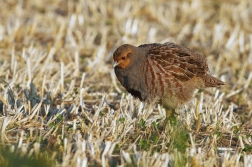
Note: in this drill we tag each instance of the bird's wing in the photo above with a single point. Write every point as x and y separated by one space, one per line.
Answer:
149 45
173 72
177 62
169 68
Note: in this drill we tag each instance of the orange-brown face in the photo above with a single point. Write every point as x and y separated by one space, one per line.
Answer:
122 56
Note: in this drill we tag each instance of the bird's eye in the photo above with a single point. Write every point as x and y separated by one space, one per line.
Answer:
123 58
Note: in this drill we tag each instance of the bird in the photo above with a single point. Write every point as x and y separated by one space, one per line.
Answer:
167 74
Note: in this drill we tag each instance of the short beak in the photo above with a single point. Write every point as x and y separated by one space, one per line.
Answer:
115 64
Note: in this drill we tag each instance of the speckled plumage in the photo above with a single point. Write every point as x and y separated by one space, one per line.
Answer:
165 73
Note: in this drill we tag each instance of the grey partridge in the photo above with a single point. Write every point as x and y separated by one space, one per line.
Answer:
165 73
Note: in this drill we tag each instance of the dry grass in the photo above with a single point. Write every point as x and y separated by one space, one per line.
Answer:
61 104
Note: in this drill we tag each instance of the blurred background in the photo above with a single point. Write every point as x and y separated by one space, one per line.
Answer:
219 29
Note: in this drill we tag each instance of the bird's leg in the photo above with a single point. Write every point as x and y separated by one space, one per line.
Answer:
169 112
170 117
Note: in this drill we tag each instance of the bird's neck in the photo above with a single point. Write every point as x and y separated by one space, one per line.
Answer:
130 76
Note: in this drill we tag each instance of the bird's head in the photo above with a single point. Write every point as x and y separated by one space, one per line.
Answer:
123 56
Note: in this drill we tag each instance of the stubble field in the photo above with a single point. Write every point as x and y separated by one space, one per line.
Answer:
61 104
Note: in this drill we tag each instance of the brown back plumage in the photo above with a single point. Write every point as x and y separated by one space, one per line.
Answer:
166 72
173 72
